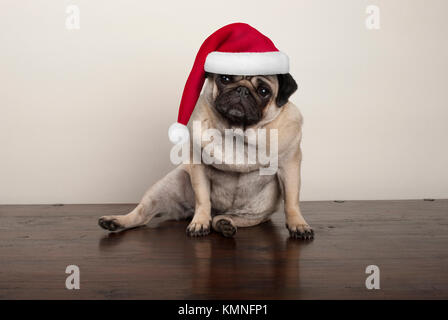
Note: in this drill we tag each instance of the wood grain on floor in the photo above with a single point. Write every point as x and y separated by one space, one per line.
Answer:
407 240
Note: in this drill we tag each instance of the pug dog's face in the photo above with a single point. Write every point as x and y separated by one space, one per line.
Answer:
245 100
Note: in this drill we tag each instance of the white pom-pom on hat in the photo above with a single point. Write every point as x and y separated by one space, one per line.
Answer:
178 133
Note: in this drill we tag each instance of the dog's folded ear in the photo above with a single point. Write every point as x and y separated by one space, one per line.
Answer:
286 87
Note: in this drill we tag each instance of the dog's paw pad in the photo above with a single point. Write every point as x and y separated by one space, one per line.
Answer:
302 231
226 228
197 229
109 224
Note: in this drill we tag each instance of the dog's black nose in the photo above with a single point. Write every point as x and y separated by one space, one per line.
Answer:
243 91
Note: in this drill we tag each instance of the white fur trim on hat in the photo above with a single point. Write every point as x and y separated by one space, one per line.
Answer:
247 63
178 133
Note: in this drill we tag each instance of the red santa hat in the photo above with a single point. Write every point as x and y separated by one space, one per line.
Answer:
236 49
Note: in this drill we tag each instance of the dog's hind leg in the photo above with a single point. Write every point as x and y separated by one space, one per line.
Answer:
171 196
227 224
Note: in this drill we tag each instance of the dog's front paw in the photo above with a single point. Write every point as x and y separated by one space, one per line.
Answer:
109 223
300 231
198 228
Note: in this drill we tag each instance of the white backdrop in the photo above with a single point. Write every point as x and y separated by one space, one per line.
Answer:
84 113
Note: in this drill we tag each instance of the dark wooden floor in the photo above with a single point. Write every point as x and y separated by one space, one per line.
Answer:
408 240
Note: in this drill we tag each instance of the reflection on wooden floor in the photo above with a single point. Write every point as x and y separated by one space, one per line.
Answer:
406 239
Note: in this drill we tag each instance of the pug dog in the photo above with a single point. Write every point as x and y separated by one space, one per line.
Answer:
226 196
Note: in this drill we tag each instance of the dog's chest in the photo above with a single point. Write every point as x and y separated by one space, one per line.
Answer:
243 193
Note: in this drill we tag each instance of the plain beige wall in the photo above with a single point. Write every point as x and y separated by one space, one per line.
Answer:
84 113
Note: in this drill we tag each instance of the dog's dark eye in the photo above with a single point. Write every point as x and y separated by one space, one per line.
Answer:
263 91
225 79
